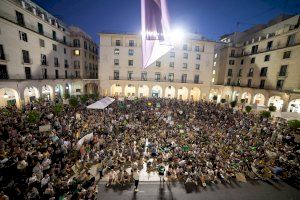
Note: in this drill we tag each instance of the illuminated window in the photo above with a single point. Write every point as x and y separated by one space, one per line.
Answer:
213 80
215 63
76 52
214 71
116 51
216 55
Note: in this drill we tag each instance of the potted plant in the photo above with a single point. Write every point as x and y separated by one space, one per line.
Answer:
272 108
223 100
248 109
233 104
265 114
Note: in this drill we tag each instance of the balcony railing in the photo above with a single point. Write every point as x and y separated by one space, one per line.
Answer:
3 57
282 74
27 61
44 63
4 76
155 80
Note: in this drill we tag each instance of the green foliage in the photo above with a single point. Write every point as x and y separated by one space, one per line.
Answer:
34 116
58 108
265 114
94 96
294 124
248 109
215 98
67 96
272 108
233 104
84 99
223 100
5 112
243 100
73 101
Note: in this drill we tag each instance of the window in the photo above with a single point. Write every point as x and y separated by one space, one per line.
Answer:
171 77
20 18
2 54
232 53
214 72
286 54
228 81
56 74
290 40
252 60
279 84
240 73
242 61
231 62
23 36
27 72
66 74
197 66
197 48
117 51
56 64
213 80
158 63
65 51
183 78
26 58
171 64
238 83
118 42
54 47
250 74
185 47
229 72
249 83
44 73
3 72
43 59
184 66
129 75
144 76
85 45
283 70
269 45
64 39
76 43
185 55
254 49
66 64
40 28
76 52
262 84
172 54
76 64
157 76
130 62
216 55
116 62
54 35
130 52
196 78
42 43
131 43
198 57
116 75
267 58
215 63
263 71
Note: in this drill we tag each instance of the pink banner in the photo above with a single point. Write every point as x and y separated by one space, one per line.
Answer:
156 39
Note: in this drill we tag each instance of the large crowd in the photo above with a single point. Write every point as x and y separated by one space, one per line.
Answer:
199 142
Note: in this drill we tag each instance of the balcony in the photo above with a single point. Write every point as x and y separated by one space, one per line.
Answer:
154 80
27 61
44 64
56 65
66 65
4 76
3 57
282 74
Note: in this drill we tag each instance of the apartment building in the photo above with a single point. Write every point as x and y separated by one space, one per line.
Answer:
261 65
184 73
36 57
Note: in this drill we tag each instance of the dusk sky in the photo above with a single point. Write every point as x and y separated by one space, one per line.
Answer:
211 18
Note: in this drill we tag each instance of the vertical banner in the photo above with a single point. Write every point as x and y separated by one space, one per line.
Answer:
156 39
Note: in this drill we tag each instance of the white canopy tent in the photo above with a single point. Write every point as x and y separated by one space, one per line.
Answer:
101 104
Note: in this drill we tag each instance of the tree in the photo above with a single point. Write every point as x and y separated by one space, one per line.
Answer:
294 124
34 116
58 108
223 100
248 109
265 114
73 101
243 101
215 98
272 108
84 99
233 104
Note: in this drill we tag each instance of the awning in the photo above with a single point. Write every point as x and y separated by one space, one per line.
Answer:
101 104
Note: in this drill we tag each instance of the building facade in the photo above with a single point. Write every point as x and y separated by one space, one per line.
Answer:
184 73
261 65
36 57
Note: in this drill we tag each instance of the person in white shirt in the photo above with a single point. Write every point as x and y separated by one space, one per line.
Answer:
136 177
